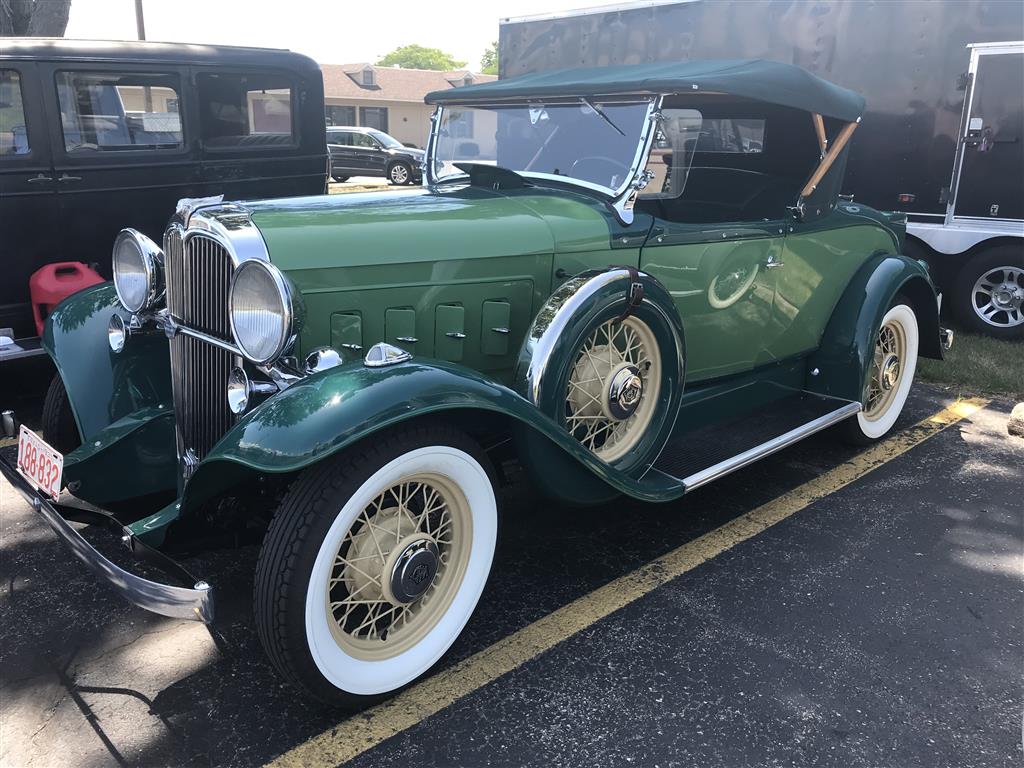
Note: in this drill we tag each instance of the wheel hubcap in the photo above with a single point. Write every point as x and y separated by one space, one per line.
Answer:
413 568
624 392
399 175
998 297
890 373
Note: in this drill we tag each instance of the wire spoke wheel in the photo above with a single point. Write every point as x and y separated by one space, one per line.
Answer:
886 370
998 297
398 567
613 387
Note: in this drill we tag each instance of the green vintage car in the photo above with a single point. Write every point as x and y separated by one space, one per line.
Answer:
633 280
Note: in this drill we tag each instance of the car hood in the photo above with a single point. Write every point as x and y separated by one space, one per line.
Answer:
410 151
416 225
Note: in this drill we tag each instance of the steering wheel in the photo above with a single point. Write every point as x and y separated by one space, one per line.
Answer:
612 167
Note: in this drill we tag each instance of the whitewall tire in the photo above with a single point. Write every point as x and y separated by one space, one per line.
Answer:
375 562
890 376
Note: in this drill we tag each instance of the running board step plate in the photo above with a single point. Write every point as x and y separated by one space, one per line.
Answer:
698 457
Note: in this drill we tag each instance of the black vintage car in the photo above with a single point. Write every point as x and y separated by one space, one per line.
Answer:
369 152
97 136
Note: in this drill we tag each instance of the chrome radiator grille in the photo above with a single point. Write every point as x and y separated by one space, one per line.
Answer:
198 276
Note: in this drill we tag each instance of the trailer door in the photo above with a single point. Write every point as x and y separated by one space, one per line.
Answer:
990 183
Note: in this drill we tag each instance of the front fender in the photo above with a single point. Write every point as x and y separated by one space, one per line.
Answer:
102 386
844 357
331 410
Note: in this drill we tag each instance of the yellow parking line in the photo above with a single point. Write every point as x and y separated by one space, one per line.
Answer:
368 729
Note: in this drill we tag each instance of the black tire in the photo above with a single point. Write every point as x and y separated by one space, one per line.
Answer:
965 302
302 528
58 420
340 179
400 173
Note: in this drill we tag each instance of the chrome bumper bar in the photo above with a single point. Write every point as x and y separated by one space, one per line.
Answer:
195 603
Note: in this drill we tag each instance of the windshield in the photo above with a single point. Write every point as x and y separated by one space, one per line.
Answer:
388 141
594 142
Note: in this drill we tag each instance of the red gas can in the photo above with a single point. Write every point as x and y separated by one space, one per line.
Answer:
55 282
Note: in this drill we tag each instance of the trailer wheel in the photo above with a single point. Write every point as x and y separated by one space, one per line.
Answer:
988 294
58 421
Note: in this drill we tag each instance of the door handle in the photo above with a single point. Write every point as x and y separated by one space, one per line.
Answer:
64 178
38 178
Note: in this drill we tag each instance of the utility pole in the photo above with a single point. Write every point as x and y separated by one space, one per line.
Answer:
140 28
140 21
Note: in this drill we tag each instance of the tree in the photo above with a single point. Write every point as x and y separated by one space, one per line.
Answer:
34 18
418 57
489 61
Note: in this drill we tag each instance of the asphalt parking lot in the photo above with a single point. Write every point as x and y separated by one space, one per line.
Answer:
823 607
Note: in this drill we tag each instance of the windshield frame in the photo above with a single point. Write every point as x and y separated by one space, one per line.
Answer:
618 194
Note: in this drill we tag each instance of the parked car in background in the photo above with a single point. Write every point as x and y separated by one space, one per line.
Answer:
96 136
342 374
369 152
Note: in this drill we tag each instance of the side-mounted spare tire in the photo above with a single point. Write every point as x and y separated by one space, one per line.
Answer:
605 358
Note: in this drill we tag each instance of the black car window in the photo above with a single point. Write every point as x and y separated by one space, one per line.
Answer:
364 140
246 111
108 111
13 134
341 138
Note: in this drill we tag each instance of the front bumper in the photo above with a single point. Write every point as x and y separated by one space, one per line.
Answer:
194 603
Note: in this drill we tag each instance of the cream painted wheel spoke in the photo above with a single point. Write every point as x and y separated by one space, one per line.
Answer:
613 349
425 517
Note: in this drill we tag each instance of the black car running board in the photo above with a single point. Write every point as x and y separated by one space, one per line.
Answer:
698 457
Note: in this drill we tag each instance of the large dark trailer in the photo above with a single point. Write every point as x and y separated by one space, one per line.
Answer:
942 136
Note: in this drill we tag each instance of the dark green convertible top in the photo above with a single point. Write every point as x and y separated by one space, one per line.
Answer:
758 79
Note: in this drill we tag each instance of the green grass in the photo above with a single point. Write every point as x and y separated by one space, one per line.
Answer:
978 365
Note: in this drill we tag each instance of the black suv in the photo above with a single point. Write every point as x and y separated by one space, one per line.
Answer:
369 152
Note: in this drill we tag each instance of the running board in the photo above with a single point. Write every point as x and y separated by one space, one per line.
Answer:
696 458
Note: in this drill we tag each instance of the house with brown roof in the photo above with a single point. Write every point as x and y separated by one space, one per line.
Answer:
387 98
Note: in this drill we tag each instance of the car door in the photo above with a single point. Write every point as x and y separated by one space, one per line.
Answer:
370 155
990 180
121 153
723 284
28 202
339 144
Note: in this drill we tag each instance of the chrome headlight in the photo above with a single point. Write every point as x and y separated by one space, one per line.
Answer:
265 310
138 270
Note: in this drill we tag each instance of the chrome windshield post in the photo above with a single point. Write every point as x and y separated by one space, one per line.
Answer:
428 179
623 201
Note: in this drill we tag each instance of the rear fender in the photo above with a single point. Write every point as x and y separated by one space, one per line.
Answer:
332 410
104 386
844 357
